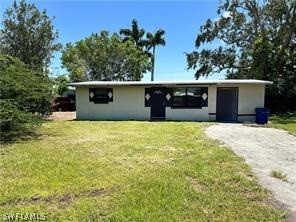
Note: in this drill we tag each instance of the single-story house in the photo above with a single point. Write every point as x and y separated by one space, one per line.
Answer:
199 100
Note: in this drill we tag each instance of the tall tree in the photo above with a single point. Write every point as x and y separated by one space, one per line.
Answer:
104 57
255 39
151 42
28 34
134 34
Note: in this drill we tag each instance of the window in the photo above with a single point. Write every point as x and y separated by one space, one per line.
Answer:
187 98
100 95
179 97
193 97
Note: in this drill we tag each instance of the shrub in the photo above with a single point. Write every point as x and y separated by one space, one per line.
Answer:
24 97
29 90
14 122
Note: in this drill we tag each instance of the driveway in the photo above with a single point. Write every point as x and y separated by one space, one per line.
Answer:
265 150
62 116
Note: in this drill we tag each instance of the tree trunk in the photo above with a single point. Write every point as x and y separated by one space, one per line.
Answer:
152 61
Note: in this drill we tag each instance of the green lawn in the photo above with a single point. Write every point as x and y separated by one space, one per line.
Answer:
286 122
129 171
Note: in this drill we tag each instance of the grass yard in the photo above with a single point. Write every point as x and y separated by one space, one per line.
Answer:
129 171
286 122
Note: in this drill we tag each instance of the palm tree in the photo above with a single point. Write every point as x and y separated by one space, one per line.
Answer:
134 34
151 42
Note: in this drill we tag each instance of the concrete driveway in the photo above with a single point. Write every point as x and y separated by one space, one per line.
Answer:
265 150
62 116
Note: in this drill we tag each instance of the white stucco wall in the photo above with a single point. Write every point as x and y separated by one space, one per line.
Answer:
212 91
128 104
250 97
187 114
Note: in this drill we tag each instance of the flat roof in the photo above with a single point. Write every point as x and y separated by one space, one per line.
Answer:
170 83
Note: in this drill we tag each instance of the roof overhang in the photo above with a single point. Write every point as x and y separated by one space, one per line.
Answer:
171 83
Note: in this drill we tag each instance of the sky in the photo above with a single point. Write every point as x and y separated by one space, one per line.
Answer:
181 20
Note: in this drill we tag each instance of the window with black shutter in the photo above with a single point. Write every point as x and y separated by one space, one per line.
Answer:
100 95
187 97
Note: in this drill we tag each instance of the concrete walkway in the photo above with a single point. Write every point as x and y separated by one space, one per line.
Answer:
265 150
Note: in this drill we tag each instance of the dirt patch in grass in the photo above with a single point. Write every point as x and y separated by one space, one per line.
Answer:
197 186
64 199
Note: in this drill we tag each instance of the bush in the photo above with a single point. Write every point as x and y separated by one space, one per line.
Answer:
24 97
29 90
14 122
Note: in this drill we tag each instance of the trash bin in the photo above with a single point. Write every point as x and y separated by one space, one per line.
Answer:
261 115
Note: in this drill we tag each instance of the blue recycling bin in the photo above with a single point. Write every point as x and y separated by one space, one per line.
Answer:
261 115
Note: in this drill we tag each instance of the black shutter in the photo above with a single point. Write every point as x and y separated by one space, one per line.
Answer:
147 97
168 97
110 94
91 94
204 96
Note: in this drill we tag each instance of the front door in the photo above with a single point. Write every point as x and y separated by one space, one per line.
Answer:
157 103
227 104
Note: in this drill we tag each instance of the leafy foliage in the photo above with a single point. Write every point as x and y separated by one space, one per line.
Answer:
134 34
24 96
256 40
15 122
28 90
28 34
104 57
60 84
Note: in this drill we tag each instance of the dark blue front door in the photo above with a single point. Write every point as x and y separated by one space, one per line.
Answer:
157 103
227 104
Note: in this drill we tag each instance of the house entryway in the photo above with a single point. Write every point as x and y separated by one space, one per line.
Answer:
227 104
157 103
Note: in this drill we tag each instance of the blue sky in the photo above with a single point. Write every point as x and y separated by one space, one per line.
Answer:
181 20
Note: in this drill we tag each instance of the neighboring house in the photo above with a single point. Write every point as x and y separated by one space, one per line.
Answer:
209 100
